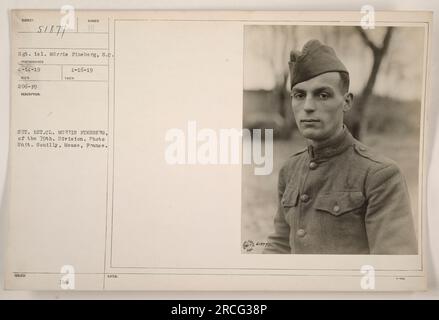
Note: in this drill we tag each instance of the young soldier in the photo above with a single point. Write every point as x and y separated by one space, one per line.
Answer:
336 196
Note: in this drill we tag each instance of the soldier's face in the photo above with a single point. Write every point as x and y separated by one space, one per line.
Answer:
318 106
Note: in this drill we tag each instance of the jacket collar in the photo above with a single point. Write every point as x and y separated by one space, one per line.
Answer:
332 147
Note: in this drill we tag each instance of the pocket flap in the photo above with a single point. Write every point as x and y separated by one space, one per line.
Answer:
290 197
338 203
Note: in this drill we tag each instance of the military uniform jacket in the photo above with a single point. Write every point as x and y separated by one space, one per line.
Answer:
342 199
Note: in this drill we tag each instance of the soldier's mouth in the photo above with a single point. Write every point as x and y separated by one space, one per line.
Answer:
309 120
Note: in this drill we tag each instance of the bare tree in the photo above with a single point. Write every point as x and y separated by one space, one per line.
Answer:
287 38
378 52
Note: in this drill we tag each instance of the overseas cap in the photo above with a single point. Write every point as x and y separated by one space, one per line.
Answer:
315 59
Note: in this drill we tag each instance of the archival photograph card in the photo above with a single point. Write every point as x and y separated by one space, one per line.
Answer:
210 150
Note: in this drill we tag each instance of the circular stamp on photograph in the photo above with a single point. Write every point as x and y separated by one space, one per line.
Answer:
248 245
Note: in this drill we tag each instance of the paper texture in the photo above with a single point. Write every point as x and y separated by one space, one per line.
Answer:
93 201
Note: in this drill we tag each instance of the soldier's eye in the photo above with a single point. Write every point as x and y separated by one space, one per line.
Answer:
298 95
323 95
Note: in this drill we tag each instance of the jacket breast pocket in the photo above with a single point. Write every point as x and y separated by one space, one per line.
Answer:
290 197
340 203
289 203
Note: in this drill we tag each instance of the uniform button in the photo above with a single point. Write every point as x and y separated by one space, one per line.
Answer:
336 208
312 165
301 233
304 197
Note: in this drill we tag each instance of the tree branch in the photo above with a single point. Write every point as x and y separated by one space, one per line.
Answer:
366 39
386 40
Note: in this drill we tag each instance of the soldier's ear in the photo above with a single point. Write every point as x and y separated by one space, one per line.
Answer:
348 101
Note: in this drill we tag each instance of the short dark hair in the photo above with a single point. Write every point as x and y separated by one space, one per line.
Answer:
344 82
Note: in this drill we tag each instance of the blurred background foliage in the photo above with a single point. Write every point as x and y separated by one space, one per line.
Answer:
386 72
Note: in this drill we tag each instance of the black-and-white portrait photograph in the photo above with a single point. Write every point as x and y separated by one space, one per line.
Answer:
345 108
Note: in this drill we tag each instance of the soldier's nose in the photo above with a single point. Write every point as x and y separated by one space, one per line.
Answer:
309 105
